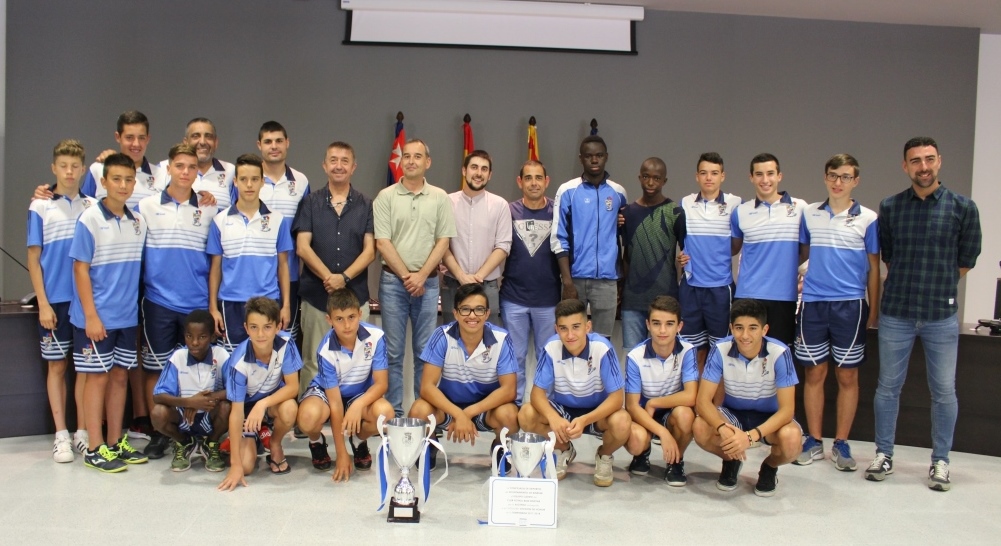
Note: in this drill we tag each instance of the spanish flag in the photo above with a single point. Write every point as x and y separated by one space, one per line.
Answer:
395 172
533 141
467 143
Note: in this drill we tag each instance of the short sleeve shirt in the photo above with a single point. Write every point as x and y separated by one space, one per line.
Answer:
350 368
582 381
413 222
249 379
653 377
751 384
469 378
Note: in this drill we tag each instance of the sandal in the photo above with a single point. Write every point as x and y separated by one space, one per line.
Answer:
276 467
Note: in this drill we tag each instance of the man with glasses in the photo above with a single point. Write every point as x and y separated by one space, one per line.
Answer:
470 379
585 235
841 238
654 226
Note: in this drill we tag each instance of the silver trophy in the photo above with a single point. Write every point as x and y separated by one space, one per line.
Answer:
407 439
525 451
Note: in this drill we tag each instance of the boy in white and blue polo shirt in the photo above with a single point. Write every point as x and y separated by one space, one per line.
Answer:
759 385
249 245
471 377
284 188
352 377
262 381
132 136
841 238
51 223
107 253
214 176
578 390
706 289
190 397
176 272
766 232
661 381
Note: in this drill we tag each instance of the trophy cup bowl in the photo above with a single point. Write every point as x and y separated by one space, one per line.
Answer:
527 449
406 442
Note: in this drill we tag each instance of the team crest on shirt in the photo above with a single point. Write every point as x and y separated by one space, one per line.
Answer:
86 204
722 209
291 190
485 357
850 220
197 218
265 222
790 210
135 226
367 348
764 367
608 203
150 183
590 365
222 180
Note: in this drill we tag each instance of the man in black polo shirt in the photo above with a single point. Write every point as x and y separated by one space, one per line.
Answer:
929 237
340 217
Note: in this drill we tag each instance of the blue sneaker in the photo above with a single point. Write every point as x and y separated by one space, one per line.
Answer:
841 456
813 450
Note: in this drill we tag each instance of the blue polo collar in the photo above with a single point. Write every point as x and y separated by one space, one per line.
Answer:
734 353
650 353
585 354
718 199
233 211
489 339
191 361
785 199
335 344
249 356
853 210
108 215
165 198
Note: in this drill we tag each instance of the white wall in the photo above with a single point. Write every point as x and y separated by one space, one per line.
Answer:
982 281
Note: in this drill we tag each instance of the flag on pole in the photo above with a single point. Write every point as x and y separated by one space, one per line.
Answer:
533 140
395 172
467 143
594 126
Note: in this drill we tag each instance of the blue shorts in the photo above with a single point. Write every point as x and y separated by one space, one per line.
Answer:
232 316
268 420
162 333
831 331
480 421
661 415
572 413
118 349
57 344
320 393
705 312
746 420
201 425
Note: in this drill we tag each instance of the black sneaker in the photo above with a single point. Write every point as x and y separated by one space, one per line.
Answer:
674 475
318 452
105 460
362 456
127 453
728 475
880 468
640 466
767 481
157 446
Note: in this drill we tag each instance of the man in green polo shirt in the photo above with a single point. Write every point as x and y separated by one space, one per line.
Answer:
413 225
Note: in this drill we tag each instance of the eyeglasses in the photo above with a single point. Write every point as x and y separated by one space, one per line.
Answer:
655 178
479 311
845 178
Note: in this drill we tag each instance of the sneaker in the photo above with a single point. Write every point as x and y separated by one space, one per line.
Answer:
213 458
938 476
62 450
298 433
140 429
127 453
841 456
767 481
157 446
264 438
362 457
727 480
105 460
563 459
881 467
224 446
318 452
640 465
602 470
674 475
813 450
181 461
81 441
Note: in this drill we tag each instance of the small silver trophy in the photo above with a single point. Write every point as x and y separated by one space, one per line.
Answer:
525 451
406 440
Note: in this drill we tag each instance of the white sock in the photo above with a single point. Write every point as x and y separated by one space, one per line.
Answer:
63 434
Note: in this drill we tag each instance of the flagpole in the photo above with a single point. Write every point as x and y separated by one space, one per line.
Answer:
533 140
594 126
467 144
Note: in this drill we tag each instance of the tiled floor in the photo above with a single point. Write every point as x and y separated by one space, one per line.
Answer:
43 501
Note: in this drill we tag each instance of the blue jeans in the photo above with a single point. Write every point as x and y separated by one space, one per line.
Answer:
541 321
633 328
397 306
940 340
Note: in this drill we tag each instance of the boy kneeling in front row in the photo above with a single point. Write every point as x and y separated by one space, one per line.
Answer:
759 401
352 377
578 390
190 397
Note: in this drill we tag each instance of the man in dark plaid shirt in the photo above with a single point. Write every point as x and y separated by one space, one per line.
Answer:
929 237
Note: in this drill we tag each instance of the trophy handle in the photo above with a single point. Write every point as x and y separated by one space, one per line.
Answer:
432 424
549 463
380 425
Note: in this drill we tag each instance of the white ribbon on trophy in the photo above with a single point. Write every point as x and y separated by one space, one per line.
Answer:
404 492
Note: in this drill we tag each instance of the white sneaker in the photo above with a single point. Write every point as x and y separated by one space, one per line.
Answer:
81 441
62 450
602 470
563 460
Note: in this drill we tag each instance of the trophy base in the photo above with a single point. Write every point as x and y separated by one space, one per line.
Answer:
403 513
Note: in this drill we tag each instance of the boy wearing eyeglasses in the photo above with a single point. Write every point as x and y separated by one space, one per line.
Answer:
654 226
470 380
841 238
